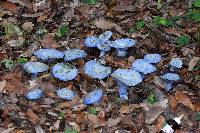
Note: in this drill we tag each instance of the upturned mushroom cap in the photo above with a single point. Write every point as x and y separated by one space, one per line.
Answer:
91 41
142 66
66 93
72 54
171 77
152 58
103 38
46 54
103 47
122 43
176 63
35 67
96 70
34 94
93 97
127 76
64 71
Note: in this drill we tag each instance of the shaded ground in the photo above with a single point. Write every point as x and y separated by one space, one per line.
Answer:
38 23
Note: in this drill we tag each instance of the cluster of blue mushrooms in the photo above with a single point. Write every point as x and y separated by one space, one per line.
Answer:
124 78
104 44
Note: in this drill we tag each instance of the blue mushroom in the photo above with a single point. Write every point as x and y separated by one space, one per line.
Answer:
170 77
93 97
103 38
96 70
104 48
46 54
142 66
72 54
122 45
176 63
152 58
35 67
126 78
66 93
34 94
64 71
91 41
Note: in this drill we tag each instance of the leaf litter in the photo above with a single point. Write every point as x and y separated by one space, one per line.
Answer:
63 25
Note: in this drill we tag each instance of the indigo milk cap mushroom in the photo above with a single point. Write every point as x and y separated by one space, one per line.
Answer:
104 37
93 97
176 63
35 67
152 58
34 94
171 77
46 54
91 41
66 93
72 54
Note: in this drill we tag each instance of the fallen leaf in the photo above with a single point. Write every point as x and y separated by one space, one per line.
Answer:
93 118
153 113
159 123
193 63
184 99
7 130
28 26
26 3
8 6
113 122
48 42
124 109
32 116
80 118
2 85
172 102
38 129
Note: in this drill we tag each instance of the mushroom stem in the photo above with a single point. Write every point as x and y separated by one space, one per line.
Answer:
34 76
121 52
102 53
122 88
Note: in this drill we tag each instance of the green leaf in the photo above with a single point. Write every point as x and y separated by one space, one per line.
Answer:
70 131
183 40
198 116
62 30
193 15
197 3
22 60
90 2
197 77
11 29
151 98
158 4
61 115
9 63
157 21
92 110
139 25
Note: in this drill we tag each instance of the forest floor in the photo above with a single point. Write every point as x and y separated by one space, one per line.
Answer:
170 28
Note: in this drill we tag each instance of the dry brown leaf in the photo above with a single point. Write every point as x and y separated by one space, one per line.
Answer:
184 99
193 63
8 6
93 118
153 113
124 109
113 122
28 26
172 102
2 85
26 3
32 116
80 118
159 123
48 42
42 18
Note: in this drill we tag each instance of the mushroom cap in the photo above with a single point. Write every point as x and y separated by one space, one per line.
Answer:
122 43
103 38
96 70
34 94
91 41
103 47
66 93
142 66
93 96
176 63
64 71
72 54
171 77
35 67
152 58
127 76
46 54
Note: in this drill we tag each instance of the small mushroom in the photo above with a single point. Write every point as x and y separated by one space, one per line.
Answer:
103 38
152 58
169 79
34 94
176 63
104 48
93 97
46 54
35 67
64 71
142 66
72 54
122 45
96 70
66 93
126 78
91 41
